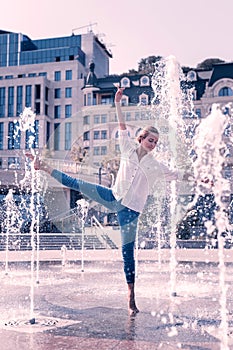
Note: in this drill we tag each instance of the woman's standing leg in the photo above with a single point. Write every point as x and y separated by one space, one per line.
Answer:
128 220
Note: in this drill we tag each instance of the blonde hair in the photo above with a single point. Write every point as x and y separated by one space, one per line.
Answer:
145 132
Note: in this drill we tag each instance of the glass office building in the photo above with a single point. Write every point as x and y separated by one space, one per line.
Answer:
46 75
18 49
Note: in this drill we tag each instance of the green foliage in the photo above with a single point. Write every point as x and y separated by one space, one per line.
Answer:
208 63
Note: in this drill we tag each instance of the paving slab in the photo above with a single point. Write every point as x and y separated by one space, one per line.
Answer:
88 310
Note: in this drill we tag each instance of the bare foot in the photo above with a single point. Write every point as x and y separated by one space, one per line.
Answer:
133 310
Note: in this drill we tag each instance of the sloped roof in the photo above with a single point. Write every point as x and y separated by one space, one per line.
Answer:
221 71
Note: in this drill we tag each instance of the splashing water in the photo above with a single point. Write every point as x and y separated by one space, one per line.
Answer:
82 207
31 183
210 148
170 104
11 222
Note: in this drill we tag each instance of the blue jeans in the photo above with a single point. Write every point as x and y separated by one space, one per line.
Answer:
127 218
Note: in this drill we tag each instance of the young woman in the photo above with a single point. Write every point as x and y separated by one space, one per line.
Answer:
136 176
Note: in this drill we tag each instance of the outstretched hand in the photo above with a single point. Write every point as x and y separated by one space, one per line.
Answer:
38 164
119 93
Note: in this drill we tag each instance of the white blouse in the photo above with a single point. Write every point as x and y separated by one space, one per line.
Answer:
137 179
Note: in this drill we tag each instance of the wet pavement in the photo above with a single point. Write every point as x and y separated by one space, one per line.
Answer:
88 310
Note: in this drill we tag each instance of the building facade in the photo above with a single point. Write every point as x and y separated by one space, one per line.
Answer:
66 83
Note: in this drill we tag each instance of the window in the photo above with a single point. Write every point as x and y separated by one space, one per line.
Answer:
96 151
68 111
1 135
42 74
19 100
57 76
37 92
57 93
28 96
96 135
137 115
106 99
32 137
47 132
128 116
57 112
198 112
94 99
104 118
69 74
11 101
103 134
68 92
144 81
86 120
124 101
46 93
103 150
89 99
86 136
57 131
67 136
2 101
225 91
13 163
143 99
14 135
37 108
144 116
31 75
117 148
96 119
46 108
125 82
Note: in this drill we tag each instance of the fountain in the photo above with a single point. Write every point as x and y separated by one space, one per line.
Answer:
14 217
11 222
169 107
210 148
170 104
82 211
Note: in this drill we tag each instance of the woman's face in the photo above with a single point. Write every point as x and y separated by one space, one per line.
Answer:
149 143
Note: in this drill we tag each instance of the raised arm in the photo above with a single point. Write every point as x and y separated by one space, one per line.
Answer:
120 116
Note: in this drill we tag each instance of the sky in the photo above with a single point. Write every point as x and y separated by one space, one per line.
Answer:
189 30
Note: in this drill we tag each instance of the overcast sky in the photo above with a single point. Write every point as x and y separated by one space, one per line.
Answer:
190 30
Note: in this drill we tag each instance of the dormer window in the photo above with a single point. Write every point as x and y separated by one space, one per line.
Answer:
143 99
125 82
191 75
124 100
145 81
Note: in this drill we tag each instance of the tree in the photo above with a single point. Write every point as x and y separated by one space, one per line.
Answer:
146 65
208 63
